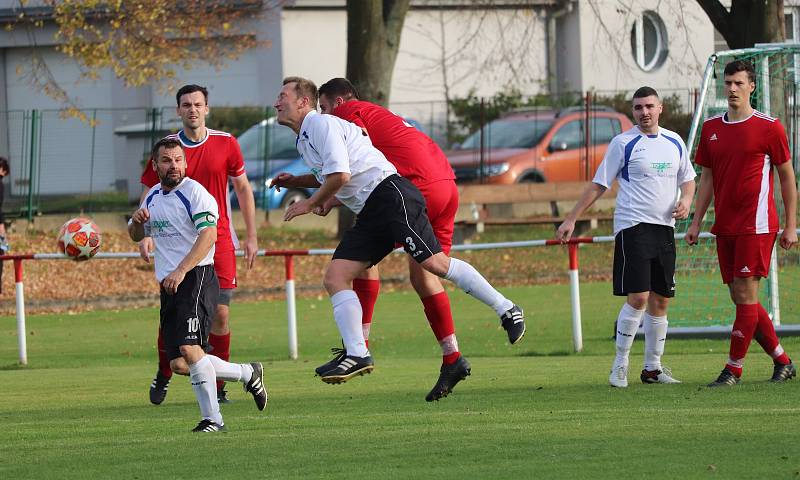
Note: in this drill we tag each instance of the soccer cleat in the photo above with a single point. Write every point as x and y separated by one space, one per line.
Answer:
338 356
619 375
348 368
726 379
207 426
783 372
658 376
222 395
449 376
513 322
158 389
256 386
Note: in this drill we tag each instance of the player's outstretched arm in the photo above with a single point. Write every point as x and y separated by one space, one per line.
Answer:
590 195
333 182
789 194
284 180
705 192
202 245
247 204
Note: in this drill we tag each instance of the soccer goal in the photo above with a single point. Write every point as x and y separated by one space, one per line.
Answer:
703 305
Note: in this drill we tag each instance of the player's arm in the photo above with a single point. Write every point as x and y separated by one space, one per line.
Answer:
789 194
333 182
247 205
705 192
681 210
145 243
590 195
284 180
136 224
202 245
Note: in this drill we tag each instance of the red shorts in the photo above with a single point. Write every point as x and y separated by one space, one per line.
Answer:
441 199
744 255
225 266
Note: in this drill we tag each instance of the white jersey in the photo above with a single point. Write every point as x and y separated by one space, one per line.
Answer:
650 170
176 218
329 144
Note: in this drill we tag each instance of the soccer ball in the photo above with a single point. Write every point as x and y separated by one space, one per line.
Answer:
79 239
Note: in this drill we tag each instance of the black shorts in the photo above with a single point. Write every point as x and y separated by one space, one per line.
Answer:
644 260
395 212
186 316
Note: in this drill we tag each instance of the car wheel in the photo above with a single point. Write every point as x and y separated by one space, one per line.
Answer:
292 197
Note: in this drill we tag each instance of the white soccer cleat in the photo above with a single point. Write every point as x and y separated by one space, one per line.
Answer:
658 376
619 375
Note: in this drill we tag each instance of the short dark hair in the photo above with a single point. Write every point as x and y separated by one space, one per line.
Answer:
186 89
741 66
304 87
4 166
339 87
165 142
643 92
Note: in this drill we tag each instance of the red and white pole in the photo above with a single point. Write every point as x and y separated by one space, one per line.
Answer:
291 309
575 297
20 296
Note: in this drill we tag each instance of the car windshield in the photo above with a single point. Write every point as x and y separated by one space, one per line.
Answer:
505 133
268 141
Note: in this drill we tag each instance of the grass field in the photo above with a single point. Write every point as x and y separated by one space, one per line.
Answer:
535 410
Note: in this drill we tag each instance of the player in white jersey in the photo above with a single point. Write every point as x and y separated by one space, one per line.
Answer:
651 165
181 218
389 209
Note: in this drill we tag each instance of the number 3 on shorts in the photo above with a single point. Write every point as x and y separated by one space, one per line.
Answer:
410 243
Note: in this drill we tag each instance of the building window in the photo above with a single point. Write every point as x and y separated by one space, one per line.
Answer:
649 41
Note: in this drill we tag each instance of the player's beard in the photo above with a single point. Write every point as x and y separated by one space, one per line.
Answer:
171 182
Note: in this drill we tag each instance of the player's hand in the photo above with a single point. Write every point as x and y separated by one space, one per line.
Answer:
145 247
564 232
282 179
692 234
788 239
141 216
171 281
296 209
326 207
250 251
681 211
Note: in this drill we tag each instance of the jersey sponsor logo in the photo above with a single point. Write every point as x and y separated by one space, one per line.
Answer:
159 225
660 167
712 137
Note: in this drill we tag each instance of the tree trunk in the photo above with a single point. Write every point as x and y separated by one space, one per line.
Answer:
748 22
373 39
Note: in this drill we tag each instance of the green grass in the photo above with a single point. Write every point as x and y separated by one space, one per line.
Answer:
535 410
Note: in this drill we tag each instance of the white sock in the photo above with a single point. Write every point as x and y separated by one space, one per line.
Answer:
347 313
204 384
627 325
231 372
655 336
472 282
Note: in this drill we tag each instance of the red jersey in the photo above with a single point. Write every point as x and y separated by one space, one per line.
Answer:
210 162
741 155
413 153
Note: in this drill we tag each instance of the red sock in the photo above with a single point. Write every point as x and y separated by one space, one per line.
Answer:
163 359
367 292
440 318
766 337
742 334
221 348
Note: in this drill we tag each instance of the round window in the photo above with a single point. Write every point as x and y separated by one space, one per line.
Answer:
649 41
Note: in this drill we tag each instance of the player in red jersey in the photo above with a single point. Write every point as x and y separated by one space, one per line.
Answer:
737 151
212 157
420 160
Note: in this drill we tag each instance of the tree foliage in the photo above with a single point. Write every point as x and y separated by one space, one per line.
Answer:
141 41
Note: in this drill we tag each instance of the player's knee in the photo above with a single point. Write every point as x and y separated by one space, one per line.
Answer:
179 366
638 300
437 264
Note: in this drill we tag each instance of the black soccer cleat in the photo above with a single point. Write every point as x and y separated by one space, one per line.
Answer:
783 372
256 386
449 376
338 356
207 426
222 395
513 321
726 379
349 367
158 389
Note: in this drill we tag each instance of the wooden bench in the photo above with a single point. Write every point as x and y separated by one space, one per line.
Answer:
493 205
